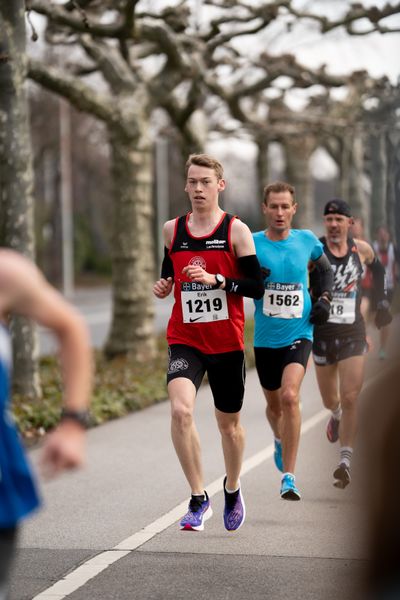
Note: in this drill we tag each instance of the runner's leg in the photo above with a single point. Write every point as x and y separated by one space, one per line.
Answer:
327 377
233 438
182 394
351 372
292 378
273 410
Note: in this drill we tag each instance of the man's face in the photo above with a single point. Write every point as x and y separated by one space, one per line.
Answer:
203 187
336 227
383 237
279 211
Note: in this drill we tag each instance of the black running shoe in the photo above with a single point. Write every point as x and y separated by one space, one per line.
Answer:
342 476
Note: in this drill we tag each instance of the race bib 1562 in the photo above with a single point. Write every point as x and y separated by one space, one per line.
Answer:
283 300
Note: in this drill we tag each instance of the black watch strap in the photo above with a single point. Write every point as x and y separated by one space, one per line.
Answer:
219 281
79 416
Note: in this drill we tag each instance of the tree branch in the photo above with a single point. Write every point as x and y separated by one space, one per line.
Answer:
71 88
115 69
58 15
355 13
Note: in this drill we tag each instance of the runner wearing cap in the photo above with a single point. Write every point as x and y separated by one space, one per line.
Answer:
340 345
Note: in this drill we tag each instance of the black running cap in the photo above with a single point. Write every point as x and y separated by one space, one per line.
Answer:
338 206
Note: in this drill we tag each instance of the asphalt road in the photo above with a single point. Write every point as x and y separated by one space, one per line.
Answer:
117 519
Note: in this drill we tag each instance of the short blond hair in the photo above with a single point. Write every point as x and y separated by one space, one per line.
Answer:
276 188
205 160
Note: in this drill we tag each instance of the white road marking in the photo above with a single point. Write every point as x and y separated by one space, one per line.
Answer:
92 567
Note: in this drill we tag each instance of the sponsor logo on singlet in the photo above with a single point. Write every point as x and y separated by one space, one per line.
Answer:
216 244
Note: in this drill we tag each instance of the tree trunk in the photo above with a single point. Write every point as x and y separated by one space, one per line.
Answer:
298 150
133 249
357 197
379 184
393 181
16 179
262 166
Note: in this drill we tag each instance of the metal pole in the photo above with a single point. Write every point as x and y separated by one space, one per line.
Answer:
66 200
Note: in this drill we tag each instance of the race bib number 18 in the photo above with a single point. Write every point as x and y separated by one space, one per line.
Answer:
201 305
284 300
343 308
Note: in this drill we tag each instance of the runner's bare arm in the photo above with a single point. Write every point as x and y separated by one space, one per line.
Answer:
382 316
365 251
27 293
242 240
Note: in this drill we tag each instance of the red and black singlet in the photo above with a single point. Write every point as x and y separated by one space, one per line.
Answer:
210 320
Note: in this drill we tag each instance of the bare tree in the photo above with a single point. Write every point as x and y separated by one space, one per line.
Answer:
16 179
150 60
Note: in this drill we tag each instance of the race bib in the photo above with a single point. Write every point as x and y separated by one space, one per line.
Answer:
283 300
203 305
343 308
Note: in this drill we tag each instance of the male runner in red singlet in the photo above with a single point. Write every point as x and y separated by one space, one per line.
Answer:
211 263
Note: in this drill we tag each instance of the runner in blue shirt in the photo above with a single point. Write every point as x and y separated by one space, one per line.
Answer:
284 320
24 291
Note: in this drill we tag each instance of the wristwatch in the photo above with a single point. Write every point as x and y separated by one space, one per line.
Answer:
219 279
79 416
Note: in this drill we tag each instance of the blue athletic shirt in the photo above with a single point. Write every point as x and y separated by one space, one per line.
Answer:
282 315
18 495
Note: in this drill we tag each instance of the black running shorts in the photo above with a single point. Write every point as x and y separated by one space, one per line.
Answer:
226 373
270 362
330 351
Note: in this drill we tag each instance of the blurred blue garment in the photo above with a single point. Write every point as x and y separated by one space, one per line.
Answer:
18 494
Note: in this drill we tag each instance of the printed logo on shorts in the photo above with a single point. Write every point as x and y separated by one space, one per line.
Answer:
198 261
294 345
320 360
179 364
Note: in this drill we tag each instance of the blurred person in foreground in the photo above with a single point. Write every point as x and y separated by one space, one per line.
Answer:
340 345
24 291
380 450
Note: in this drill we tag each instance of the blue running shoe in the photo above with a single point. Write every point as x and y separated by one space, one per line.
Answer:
199 511
278 456
289 490
234 511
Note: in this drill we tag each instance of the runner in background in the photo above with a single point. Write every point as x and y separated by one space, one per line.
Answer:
357 232
340 345
284 320
385 251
